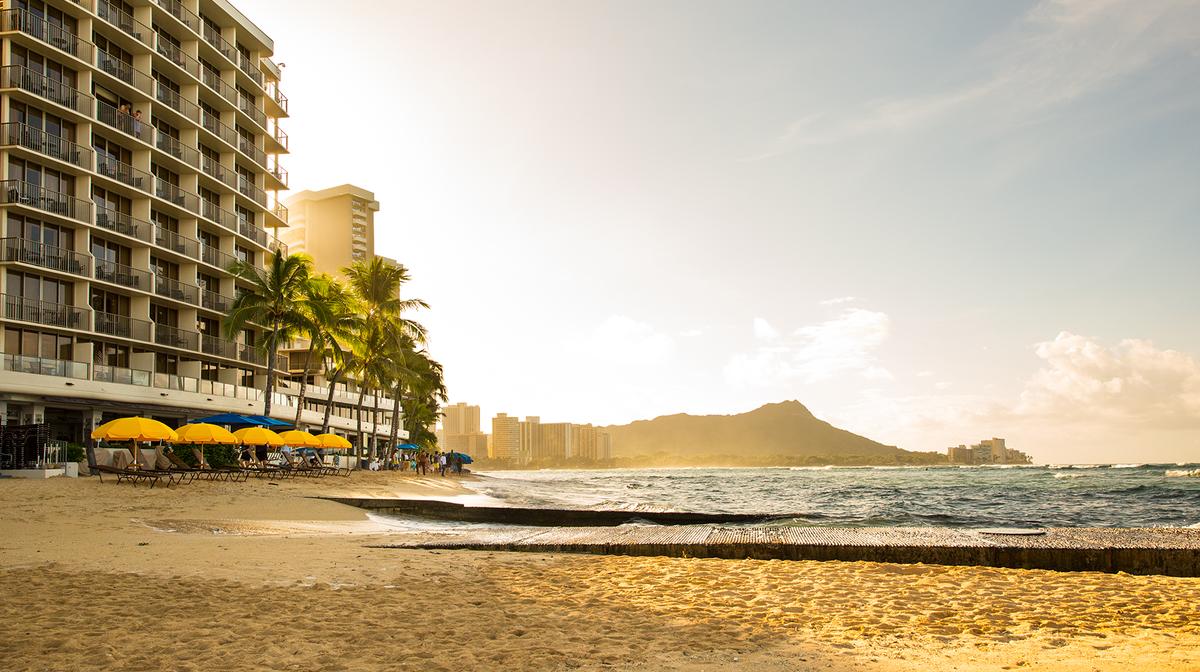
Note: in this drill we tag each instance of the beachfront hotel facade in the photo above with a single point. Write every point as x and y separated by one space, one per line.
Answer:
142 145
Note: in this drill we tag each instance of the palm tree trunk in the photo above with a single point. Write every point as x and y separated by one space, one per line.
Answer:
329 401
358 413
272 347
375 424
395 419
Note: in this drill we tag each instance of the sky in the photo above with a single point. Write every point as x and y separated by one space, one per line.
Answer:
929 222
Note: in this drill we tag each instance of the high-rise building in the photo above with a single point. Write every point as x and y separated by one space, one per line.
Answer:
987 451
531 439
335 226
506 438
142 146
460 418
558 441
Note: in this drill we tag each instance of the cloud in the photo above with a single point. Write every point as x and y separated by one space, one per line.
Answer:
843 345
623 340
1061 51
1132 383
838 300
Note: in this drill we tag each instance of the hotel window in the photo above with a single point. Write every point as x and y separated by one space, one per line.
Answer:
38 175
208 326
247 138
111 201
164 363
245 97
52 15
211 160
244 255
245 216
37 288
109 159
107 354
209 371
164 315
210 72
211 116
247 378
164 269
208 283
165 221
103 301
40 65
52 124
168 130
208 239
106 250
165 175
38 231
37 344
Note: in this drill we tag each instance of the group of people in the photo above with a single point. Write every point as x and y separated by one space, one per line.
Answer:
130 123
419 462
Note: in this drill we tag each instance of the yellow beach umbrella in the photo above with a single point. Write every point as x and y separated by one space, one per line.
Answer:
204 433
134 429
259 436
332 441
300 439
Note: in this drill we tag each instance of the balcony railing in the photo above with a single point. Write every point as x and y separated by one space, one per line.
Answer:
256 115
280 174
45 367
280 136
214 257
213 125
215 170
224 89
251 191
251 354
177 149
170 381
252 232
36 139
185 15
125 72
248 65
181 244
120 274
53 34
256 153
119 18
277 95
122 326
51 314
174 289
123 172
175 337
122 223
213 37
215 301
20 77
280 212
16 192
122 121
35 253
176 102
177 56
211 345
213 212
278 245
116 374
170 192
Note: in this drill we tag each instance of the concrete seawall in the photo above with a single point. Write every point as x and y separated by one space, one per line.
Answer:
1167 551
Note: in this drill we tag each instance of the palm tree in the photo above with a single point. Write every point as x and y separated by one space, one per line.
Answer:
277 299
324 332
422 405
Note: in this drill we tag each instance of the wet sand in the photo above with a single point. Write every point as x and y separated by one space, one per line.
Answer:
258 575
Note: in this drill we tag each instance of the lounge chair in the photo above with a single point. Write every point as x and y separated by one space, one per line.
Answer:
134 476
179 466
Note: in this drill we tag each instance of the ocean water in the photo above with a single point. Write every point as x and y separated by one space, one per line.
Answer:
1132 495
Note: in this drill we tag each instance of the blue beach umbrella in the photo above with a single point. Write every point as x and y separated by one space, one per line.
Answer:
466 459
226 419
407 446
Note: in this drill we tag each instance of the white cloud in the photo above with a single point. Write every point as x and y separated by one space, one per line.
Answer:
843 345
623 340
1132 383
838 300
1061 51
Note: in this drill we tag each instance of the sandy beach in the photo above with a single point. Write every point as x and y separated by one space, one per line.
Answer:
260 575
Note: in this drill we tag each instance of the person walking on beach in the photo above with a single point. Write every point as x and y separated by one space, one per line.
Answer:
442 463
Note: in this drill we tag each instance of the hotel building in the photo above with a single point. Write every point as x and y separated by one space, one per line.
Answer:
987 451
460 431
142 144
335 226
506 438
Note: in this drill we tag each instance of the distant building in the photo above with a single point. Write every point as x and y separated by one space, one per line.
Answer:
460 431
531 439
987 451
558 441
335 226
506 438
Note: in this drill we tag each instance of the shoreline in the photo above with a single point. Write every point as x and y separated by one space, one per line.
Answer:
299 588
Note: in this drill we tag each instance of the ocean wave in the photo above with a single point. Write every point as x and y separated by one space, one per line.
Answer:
827 467
1069 475
1183 473
1127 466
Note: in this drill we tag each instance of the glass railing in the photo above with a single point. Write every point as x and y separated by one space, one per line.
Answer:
278 245
222 88
19 77
123 172
124 71
45 367
174 289
170 381
120 274
176 102
51 33
119 18
122 326
213 37
122 223
280 174
256 115
177 149
47 256
248 65
175 337
277 95
123 121
116 374
13 133
16 192
51 314
181 244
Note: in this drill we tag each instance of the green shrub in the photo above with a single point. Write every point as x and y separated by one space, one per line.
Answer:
75 453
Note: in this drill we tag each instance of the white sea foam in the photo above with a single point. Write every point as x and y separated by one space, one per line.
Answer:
1183 473
1069 475
1127 466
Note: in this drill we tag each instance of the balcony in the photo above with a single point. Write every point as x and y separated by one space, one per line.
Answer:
252 232
122 326
120 274
279 246
45 367
116 374
177 56
214 38
213 125
279 174
170 192
256 115
125 72
214 257
25 251
117 17
215 301
16 192
215 170
211 345
37 140
176 102
251 191
222 88
246 146
174 289
44 312
19 77
279 211
111 116
123 173
40 29
172 146
175 337
177 243
247 65
280 137
250 354
276 95
213 212
122 223
186 16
